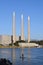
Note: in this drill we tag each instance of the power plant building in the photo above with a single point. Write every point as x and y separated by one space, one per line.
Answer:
5 39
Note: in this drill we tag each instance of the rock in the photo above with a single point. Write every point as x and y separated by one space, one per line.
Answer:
4 61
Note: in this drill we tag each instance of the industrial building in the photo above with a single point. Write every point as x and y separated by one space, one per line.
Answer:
6 39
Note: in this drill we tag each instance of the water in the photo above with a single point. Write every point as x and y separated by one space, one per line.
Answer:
32 56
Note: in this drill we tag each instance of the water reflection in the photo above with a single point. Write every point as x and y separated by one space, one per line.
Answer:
4 53
13 54
31 55
25 56
16 55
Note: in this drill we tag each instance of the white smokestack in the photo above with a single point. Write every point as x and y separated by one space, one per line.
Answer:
28 29
14 28
22 27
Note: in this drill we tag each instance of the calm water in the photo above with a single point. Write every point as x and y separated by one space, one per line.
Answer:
32 56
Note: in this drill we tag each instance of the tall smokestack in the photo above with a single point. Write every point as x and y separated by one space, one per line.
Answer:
28 29
22 27
14 28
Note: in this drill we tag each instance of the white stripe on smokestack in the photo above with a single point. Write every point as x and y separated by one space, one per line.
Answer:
22 27
28 29
14 28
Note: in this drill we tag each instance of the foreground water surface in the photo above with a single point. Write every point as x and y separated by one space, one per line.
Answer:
32 56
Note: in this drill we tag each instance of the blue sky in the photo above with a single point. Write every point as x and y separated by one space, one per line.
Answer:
32 8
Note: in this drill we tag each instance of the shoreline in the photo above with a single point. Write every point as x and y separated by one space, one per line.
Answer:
18 47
